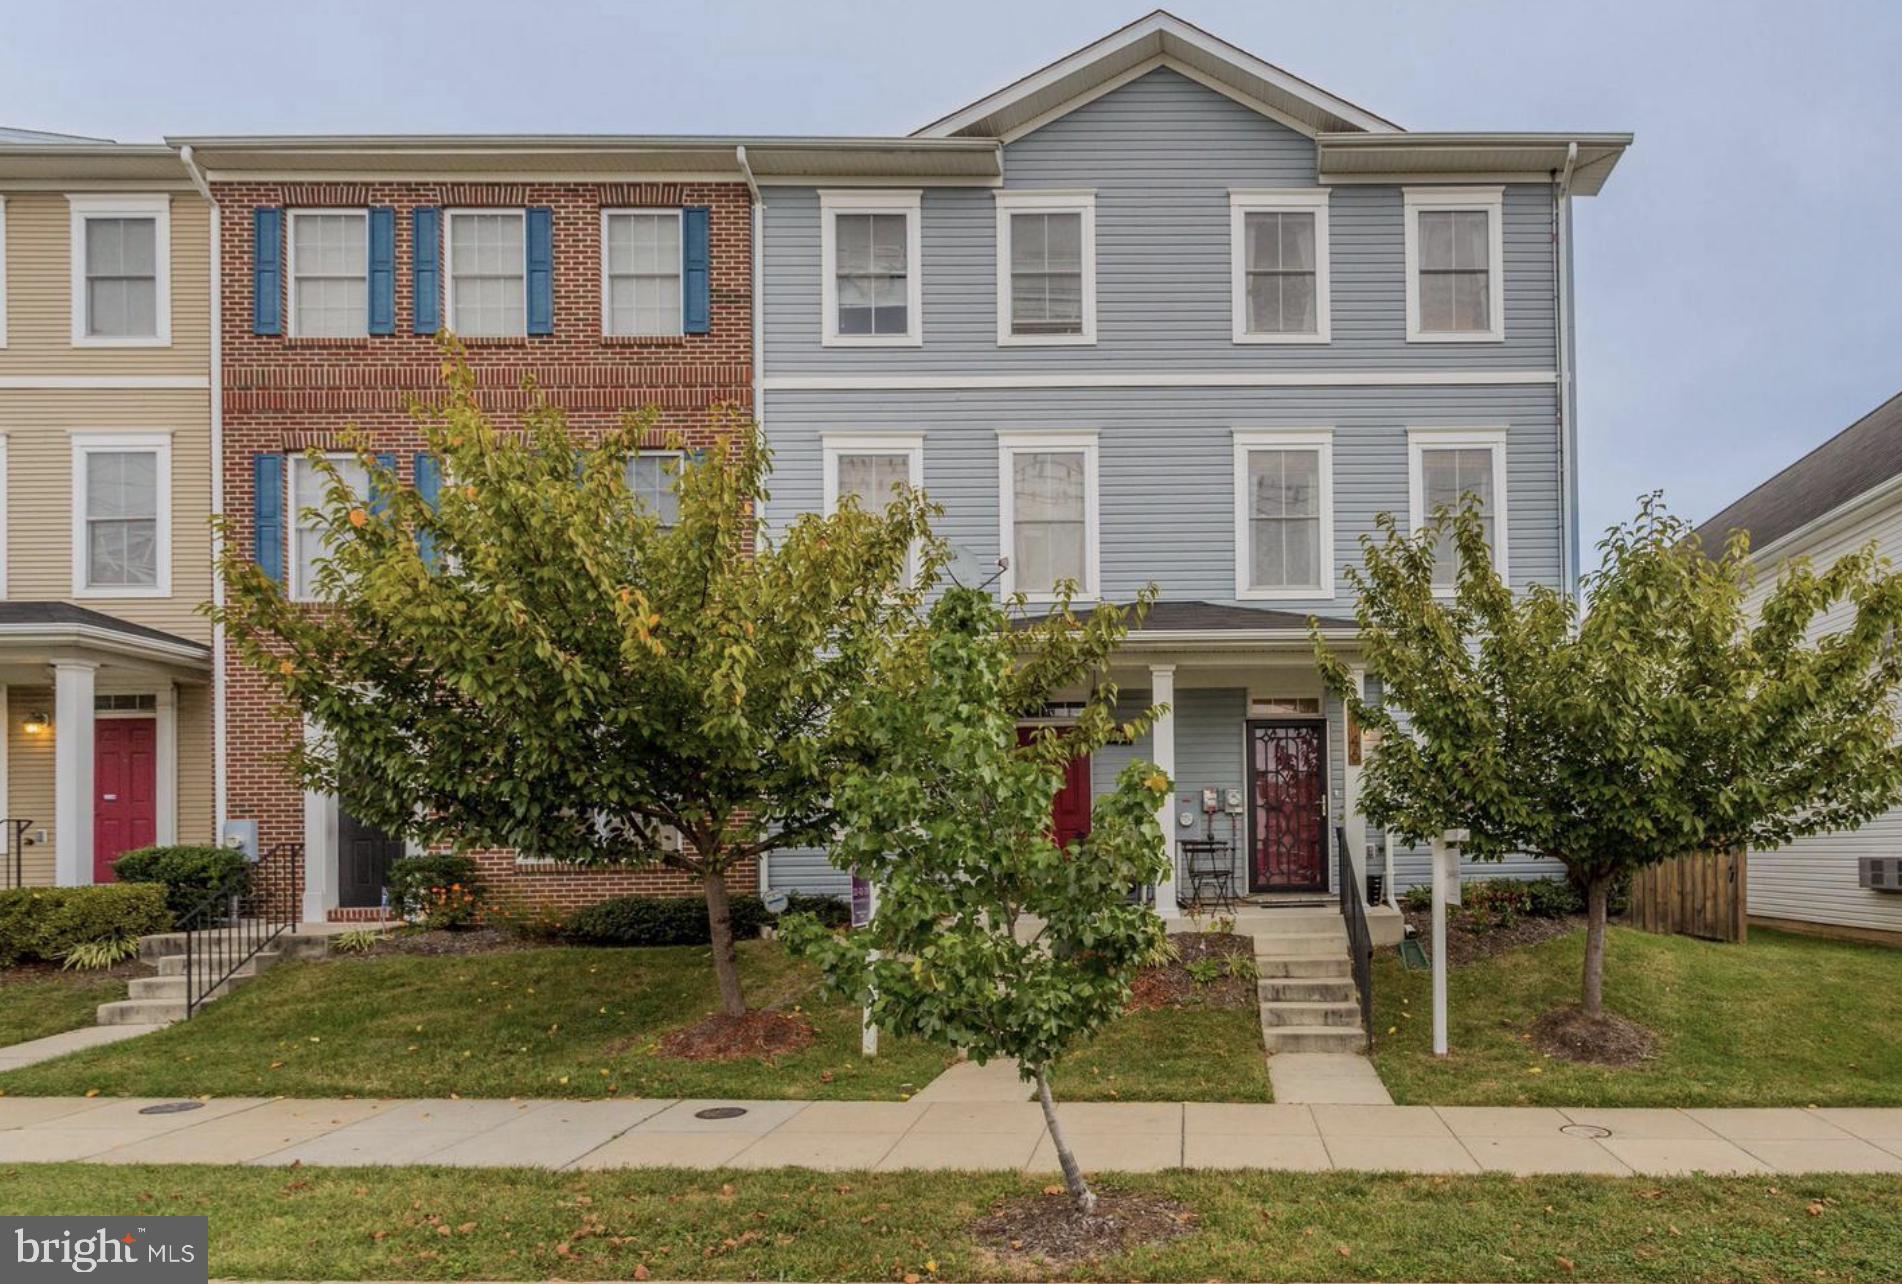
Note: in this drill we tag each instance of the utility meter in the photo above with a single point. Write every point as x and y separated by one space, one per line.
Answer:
1210 801
1234 800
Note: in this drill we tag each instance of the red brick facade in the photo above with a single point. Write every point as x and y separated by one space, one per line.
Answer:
287 394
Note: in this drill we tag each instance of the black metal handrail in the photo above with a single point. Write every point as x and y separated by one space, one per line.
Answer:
13 833
237 921
1360 941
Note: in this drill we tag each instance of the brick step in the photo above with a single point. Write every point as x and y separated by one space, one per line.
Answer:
1307 990
1301 1039
1310 1015
1309 966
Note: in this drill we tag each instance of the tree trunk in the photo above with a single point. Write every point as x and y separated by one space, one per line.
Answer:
726 962
1072 1175
1597 898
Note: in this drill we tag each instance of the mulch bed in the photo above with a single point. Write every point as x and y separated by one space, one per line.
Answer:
1173 985
1608 1040
21 972
473 940
1048 1231
762 1035
1466 946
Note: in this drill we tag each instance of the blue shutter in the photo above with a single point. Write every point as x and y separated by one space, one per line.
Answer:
379 498
267 514
267 271
382 271
696 270
429 486
425 272
541 271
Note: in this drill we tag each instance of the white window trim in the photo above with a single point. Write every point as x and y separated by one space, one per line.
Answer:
1298 201
676 455
834 444
1032 201
87 443
910 203
3 292
157 208
680 272
294 515
1492 202
290 233
1420 440
1319 440
1080 440
449 259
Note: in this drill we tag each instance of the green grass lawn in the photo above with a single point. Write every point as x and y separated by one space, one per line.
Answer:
1782 1021
53 1003
423 1223
533 1022
1171 1054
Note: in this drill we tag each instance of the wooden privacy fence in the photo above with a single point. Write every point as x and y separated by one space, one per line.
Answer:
1701 895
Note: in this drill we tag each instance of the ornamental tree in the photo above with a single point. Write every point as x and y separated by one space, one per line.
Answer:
536 661
1666 722
990 936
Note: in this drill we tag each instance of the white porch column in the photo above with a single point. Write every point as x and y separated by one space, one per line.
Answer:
1351 820
72 772
1162 740
320 846
167 765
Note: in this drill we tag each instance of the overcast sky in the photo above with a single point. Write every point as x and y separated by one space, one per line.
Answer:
1739 280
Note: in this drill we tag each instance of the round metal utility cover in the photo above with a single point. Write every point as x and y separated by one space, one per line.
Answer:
720 1112
172 1108
1585 1130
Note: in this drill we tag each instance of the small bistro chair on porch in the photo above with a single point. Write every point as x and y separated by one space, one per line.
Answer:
1211 871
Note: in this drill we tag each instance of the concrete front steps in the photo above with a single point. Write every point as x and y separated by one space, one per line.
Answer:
1306 981
160 999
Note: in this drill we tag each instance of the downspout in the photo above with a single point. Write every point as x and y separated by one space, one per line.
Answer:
757 299
219 787
1568 410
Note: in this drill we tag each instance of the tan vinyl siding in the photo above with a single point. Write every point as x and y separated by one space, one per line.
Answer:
194 765
39 293
39 427
30 778
1814 879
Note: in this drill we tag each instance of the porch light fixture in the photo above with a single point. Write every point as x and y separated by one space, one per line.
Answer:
36 724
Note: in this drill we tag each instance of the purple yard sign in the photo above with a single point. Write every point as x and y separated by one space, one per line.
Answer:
861 900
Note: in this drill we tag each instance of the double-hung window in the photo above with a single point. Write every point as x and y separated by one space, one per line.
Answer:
1279 266
868 467
1455 267
1447 465
1284 513
640 272
121 270
307 532
330 273
1046 267
1048 523
122 515
651 476
871 284
488 273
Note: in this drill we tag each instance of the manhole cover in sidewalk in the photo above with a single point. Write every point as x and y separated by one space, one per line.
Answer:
720 1112
1585 1130
172 1108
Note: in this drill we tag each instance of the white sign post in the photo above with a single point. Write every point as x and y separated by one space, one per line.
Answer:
1446 889
864 909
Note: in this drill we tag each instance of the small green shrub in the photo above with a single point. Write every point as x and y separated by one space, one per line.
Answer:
529 920
439 889
1417 900
831 911
189 874
92 956
45 924
660 920
358 940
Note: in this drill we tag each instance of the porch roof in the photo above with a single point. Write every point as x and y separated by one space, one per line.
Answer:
49 626
1180 621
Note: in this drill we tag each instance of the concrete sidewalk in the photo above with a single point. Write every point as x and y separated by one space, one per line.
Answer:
984 1135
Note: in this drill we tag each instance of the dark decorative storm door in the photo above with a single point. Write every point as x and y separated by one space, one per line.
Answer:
1287 815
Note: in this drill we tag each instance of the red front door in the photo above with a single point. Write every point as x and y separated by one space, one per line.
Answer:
125 790
1287 821
1070 809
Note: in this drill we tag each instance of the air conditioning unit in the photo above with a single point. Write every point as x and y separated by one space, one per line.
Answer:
1879 873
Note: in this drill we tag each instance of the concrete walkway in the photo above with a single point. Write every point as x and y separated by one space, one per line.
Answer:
982 1135
996 1080
1326 1078
18 1055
